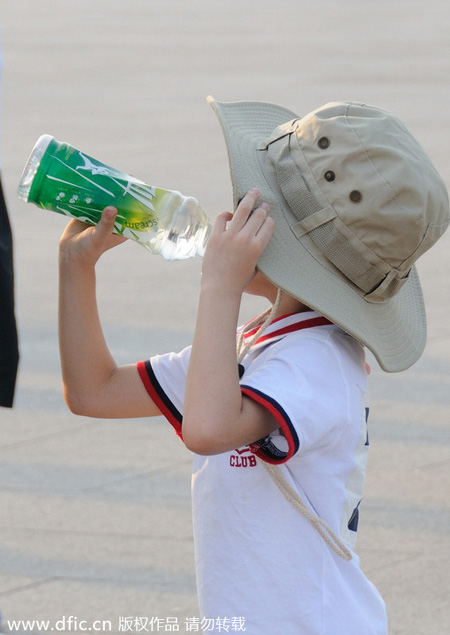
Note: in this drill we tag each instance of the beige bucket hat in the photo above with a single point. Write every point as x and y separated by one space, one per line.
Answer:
356 201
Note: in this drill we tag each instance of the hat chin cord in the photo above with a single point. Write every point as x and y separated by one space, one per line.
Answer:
335 543
325 531
264 319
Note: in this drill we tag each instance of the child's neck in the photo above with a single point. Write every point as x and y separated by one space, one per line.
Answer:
289 305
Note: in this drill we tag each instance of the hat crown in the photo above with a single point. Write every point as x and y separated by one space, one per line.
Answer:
384 188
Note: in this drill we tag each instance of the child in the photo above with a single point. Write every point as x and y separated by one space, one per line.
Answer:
346 201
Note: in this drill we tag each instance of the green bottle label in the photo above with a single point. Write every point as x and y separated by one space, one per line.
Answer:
72 183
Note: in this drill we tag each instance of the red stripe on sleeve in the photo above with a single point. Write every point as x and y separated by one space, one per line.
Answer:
262 450
159 397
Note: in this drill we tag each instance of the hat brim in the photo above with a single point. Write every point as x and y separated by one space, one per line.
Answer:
395 330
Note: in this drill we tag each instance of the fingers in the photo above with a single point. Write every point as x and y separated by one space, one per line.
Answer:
88 242
265 232
248 216
252 221
244 210
104 227
249 222
236 244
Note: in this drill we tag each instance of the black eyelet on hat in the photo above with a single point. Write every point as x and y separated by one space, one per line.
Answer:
355 196
323 143
329 176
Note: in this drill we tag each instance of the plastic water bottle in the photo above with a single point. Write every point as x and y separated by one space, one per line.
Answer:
60 178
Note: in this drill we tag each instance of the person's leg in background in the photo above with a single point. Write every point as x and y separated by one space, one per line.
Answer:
9 351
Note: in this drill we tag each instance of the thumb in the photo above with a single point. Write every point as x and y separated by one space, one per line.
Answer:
108 217
105 225
221 221
104 236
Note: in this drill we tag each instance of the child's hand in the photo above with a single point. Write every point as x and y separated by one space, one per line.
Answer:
86 243
236 243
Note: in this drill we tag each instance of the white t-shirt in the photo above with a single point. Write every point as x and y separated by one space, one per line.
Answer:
258 557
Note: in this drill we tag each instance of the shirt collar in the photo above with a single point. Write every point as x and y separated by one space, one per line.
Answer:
282 326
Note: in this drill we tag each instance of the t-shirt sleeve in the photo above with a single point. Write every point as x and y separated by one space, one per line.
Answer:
299 380
164 377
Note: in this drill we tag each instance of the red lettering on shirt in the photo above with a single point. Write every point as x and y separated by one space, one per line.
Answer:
237 460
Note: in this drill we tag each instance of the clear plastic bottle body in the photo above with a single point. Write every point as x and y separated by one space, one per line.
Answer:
184 230
61 178
32 166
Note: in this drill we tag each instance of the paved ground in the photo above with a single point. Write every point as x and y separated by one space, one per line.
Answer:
95 515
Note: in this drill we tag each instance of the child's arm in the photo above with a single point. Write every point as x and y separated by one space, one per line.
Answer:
93 385
217 417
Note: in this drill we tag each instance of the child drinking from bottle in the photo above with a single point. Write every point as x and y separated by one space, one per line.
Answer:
331 212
